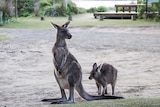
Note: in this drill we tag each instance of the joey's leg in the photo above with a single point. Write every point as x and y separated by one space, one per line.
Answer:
105 89
99 88
113 88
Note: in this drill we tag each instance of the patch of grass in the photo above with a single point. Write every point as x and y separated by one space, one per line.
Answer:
78 21
34 22
117 103
3 38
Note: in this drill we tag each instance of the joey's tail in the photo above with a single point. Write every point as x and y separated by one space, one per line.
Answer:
88 97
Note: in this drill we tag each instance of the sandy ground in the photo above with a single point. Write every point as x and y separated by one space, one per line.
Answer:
26 68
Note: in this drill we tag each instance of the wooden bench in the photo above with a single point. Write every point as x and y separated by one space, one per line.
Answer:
120 15
126 11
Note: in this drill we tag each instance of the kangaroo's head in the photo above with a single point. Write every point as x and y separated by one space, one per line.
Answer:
94 72
62 31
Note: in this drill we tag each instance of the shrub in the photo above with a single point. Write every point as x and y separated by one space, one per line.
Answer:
155 7
62 10
141 11
25 7
44 3
81 10
101 9
72 8
58 8
91 10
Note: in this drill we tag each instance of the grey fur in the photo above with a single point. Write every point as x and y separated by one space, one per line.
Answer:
68 70
104 74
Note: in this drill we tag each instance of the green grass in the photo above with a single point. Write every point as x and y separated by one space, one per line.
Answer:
3 38
78 21
116 103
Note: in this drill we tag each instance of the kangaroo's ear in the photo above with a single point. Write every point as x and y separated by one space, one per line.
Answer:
66 24
55 26
95 66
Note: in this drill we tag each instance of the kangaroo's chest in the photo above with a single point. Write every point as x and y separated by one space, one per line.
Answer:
60 55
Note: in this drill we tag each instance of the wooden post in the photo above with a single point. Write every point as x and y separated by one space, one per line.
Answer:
129 8
136 8
16 11
116 9
146 9
123 8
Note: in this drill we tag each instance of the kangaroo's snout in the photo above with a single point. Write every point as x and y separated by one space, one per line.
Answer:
90 77
59 72
69 36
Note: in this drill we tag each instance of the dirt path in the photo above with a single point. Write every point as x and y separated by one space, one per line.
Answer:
26 66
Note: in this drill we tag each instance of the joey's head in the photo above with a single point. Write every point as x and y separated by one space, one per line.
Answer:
94 72
62 31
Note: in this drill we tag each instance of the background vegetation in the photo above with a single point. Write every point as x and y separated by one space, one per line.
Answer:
81 20
58 8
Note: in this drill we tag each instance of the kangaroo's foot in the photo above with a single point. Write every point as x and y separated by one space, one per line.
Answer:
54 100
62 102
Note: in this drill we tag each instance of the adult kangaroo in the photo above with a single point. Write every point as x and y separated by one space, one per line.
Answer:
104 74
68 71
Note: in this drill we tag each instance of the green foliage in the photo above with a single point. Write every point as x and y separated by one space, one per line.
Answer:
57 8
81 10
141 1
156 8
50 8
120 9
153 10
91 10
101 9
72 8
44 3
141 11
62 10
25 7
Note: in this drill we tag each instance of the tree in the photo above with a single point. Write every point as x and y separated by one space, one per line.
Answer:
25 7
53 7
6 7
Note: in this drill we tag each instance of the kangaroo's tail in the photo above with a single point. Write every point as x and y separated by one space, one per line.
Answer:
88 97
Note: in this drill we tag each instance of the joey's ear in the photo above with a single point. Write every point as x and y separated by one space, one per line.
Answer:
95 66
66 24
55 26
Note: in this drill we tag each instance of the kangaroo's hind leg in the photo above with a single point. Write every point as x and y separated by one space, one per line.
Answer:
71 95
57 99
105 89
99 88
113 87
